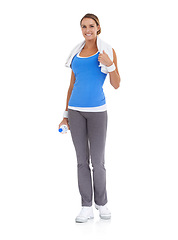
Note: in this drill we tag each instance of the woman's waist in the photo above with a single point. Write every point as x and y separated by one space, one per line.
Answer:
101 108
87 99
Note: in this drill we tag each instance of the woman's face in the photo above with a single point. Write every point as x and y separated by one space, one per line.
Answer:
89 28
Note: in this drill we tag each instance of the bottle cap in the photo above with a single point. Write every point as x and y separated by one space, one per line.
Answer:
60 129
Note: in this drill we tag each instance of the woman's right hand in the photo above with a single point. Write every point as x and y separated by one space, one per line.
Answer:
64 122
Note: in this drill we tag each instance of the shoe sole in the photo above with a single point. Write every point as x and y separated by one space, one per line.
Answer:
105 217
80 220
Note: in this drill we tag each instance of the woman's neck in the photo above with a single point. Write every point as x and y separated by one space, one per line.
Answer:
90 44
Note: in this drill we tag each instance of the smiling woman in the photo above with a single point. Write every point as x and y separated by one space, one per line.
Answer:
93 23
86 113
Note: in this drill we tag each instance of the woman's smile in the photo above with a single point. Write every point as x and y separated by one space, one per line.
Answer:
88 34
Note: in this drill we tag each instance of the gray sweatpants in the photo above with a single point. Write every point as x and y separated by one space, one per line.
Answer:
88 131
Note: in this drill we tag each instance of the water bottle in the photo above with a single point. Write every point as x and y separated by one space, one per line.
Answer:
63 129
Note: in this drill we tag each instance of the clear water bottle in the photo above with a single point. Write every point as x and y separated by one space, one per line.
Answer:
63 129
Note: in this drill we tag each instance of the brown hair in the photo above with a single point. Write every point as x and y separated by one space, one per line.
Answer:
95 18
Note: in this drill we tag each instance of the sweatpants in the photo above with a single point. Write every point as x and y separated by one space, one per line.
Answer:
88 132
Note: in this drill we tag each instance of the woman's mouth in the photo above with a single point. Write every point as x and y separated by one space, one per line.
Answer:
88 34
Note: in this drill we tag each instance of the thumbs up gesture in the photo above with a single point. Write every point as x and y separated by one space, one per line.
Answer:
104 59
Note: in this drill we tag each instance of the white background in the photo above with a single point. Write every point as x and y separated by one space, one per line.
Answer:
39 196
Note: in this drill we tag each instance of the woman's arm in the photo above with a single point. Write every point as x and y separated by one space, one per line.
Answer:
72 81
114 76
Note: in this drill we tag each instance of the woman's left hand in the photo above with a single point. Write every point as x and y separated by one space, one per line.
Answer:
104 59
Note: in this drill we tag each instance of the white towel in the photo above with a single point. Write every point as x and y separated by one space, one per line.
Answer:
101 45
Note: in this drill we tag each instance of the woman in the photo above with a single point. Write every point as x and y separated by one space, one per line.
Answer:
86 113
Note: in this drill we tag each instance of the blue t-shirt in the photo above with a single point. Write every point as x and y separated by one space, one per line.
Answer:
89 80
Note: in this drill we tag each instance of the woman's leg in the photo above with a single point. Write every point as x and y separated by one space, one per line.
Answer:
97 127
78 129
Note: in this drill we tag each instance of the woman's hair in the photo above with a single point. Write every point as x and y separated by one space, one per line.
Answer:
95 18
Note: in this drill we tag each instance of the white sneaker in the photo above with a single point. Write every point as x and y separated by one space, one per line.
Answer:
103 212
85 214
